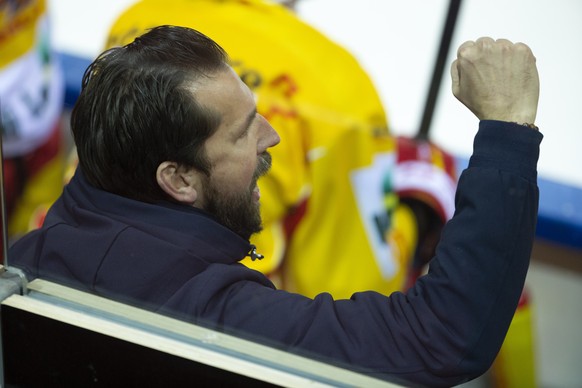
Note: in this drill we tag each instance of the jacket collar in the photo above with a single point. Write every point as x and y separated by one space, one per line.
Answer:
188 227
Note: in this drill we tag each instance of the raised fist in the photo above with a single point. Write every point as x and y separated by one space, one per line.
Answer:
497 80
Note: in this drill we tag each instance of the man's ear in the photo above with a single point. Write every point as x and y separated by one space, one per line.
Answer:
179 182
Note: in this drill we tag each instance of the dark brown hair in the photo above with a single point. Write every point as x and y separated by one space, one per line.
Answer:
137 108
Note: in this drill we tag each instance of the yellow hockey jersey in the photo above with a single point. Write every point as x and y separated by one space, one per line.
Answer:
331 218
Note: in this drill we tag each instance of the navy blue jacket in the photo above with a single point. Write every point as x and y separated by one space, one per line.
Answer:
179 261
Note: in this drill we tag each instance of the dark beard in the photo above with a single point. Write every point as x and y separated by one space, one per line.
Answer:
238 212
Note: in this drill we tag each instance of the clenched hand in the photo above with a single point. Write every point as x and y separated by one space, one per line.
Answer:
497 80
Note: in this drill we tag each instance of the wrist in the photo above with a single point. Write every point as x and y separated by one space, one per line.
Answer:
512 115
528 125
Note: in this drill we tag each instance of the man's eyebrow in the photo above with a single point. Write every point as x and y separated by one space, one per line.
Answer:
251 116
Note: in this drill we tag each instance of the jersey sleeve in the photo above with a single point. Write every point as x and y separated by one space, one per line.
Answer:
427 173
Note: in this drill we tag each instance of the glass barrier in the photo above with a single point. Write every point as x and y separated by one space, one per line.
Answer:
57 336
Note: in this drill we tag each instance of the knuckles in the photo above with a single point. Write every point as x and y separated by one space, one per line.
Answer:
487 47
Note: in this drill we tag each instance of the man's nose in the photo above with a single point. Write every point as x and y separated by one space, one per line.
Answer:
269 137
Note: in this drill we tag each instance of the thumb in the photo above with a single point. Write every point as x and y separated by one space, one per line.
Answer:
455 77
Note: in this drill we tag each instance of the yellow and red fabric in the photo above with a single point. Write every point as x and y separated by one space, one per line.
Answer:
32 94
324 204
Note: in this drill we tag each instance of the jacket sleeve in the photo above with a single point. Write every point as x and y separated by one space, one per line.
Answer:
459 313
449 326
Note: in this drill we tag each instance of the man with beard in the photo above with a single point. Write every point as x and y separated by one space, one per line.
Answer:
161 208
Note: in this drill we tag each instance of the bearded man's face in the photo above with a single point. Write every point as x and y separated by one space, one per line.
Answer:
239 211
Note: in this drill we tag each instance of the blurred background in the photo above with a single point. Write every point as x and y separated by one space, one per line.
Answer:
397 43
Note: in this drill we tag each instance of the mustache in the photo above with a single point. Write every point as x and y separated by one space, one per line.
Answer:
264 165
